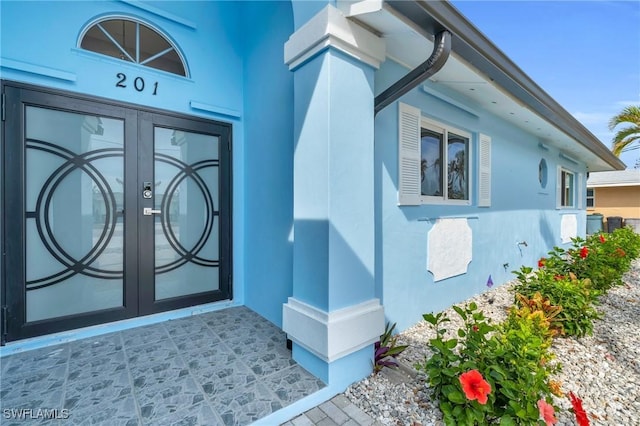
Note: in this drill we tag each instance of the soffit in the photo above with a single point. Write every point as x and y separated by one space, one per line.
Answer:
409 45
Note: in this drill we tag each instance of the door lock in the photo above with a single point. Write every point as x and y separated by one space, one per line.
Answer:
148 211
146 190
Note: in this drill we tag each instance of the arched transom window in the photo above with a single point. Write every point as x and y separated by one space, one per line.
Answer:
133 41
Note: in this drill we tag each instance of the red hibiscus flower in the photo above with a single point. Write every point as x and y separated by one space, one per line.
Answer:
474 386
547 412
602 240
620 252
584 251
558 277
581 415
541 262
475 328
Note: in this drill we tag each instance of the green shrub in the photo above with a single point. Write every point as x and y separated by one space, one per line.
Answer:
576 297
500 373
512 357
603 258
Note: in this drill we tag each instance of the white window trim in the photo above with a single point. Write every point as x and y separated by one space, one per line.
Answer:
429 124
560 189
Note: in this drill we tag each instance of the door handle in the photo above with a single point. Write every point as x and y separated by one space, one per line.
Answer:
148 211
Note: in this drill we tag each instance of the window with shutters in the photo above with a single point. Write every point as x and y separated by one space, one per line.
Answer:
435 162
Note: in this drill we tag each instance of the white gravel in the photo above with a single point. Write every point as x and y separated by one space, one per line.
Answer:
603 369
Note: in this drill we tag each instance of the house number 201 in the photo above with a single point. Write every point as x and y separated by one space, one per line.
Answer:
138 83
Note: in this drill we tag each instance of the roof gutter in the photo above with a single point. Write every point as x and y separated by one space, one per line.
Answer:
439 56
474 47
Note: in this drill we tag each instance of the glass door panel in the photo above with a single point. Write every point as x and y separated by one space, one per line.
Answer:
74 204
109 212
186 203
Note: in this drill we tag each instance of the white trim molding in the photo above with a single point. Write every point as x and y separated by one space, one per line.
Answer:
332 335
330 28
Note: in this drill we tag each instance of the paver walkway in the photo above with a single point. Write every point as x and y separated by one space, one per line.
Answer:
338 411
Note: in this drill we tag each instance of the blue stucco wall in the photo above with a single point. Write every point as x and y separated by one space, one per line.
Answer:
521 210
268 161
334 222
234 53
45 34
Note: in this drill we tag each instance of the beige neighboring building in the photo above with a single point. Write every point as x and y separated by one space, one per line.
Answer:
615 194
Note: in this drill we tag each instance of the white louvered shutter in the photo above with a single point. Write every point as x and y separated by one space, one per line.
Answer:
559 188
580 190
409 155
484 181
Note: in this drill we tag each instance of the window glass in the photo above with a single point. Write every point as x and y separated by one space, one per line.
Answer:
430 165
151 43
457 163
590 197
132 41
169 61
124 33
542 173
566 184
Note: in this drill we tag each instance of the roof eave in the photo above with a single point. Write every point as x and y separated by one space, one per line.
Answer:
474 47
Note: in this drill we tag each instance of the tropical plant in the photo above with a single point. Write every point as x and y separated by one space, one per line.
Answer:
491 374
530 306
626 135
576 298
387 349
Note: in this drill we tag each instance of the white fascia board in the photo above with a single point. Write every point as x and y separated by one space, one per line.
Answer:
330 28
332 335
611 185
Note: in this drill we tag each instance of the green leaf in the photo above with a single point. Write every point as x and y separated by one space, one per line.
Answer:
515 406
449 372
461 333
457 410
508 393
479 415
460 312
507 420
470 417
452 343
450 421
497 373
396 350
456 397
430 318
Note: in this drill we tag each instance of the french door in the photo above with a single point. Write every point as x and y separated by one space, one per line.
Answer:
109 212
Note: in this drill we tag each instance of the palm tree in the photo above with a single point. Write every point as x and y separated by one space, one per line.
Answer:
627 135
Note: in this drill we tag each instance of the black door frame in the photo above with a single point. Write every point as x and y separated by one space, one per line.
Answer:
12 233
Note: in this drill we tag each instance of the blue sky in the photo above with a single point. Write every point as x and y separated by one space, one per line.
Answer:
585 54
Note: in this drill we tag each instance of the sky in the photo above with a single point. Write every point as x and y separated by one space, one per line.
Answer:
583 53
